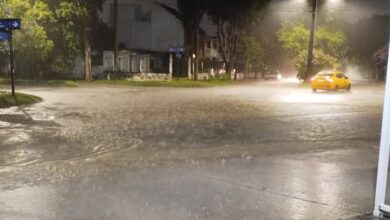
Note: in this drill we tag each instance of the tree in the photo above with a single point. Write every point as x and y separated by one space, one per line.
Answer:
192 12
53 33
330 47
32 45
294 38
379 58
365 38
321 61
250 51
231 18
79 23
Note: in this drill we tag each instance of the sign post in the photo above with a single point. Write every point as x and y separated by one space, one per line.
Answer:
178 51
6 28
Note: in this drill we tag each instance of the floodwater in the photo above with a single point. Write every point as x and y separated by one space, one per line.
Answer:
267 150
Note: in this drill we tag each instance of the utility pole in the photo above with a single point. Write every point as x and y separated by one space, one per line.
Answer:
309 70
115 27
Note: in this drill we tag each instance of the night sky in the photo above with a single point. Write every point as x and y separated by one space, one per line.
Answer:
351 10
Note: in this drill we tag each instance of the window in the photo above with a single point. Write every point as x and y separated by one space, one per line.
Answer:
208 44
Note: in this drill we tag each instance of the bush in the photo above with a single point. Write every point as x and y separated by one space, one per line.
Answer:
321 61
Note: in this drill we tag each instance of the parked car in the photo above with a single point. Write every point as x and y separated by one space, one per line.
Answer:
274 75
330 80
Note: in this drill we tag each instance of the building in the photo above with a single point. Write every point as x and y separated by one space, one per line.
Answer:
144 25
146 30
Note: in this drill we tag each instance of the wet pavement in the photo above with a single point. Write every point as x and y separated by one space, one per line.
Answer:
256 151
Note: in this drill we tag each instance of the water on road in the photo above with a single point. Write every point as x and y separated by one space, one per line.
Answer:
259 151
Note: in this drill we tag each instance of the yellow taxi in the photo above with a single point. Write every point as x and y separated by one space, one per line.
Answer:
330 80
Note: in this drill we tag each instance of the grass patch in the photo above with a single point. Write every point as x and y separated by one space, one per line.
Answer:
182 83
55 83
8 100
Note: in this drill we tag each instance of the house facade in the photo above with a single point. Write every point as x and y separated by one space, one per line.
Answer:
144 25
146 30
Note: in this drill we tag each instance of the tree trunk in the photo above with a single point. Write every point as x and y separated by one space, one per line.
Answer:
115 27
87 58
217 70
246 69
228 69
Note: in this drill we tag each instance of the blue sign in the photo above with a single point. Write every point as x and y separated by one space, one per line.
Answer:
4 36
176 50
10 24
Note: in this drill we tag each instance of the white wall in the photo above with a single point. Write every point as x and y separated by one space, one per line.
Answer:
161 32
167 30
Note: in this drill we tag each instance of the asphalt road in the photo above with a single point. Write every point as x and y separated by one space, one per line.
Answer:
263 150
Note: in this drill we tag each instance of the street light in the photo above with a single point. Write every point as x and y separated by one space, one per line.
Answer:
312 37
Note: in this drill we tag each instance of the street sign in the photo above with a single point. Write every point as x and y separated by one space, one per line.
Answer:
6 28
176 50
10 24
5 36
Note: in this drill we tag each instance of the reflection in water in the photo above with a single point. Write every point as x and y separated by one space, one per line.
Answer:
313 183
321 97
31 199
17 137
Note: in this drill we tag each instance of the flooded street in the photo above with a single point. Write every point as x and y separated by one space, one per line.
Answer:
267 150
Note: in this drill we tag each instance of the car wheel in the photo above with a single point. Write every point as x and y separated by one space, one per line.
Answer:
349 88
336 88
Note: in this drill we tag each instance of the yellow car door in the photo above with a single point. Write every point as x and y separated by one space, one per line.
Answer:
340 81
